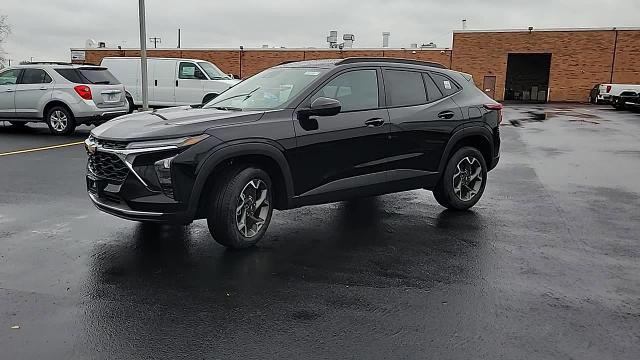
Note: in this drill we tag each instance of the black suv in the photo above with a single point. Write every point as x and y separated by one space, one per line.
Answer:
298 134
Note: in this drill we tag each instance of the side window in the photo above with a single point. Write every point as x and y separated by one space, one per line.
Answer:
356 90
9 77
433 93
404 88
189 71
35 76
446 85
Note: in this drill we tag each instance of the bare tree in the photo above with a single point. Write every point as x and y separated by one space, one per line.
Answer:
5 30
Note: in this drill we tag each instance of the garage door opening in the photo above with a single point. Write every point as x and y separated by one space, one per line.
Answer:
527 77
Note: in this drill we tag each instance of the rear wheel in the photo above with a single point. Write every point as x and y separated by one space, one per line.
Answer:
60 121
241 208
463 181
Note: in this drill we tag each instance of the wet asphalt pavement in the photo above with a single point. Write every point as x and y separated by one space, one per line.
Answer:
546 266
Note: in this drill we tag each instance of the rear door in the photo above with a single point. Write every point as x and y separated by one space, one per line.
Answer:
8 82
338 153
422 118
189 84
34 89
163 83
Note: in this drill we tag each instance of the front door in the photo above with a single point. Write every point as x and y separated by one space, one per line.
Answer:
189 84
337 153
8 81
33 91
489 86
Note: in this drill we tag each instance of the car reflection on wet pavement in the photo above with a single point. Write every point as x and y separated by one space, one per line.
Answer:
545 266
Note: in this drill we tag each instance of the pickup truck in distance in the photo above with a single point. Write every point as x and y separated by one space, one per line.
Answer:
298 134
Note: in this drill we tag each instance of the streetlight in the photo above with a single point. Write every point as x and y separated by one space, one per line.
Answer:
143 56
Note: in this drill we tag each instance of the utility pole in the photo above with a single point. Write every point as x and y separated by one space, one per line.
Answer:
143 56
178 38
155 40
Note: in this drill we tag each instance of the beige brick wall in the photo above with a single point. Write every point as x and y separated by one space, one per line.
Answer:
627 65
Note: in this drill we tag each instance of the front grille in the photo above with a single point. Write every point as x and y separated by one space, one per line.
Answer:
114 145
108 166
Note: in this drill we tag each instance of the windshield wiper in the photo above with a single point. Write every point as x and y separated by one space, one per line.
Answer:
247 95
227 108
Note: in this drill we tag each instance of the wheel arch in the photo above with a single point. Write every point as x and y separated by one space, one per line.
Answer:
53 103
262 154
478 137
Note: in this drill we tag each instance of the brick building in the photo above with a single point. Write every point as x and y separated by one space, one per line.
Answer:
537 65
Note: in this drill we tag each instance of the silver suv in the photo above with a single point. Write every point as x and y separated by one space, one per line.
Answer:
62 95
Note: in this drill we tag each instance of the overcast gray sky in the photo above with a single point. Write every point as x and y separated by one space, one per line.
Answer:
46 29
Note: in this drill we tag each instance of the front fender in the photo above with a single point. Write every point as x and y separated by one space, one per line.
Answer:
227 151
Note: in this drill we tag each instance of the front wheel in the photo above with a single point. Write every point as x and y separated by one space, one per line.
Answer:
241 208
60 121
463 181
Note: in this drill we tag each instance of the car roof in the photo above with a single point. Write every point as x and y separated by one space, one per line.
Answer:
57 65
378 61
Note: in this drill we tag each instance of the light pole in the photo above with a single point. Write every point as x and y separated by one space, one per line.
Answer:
143 57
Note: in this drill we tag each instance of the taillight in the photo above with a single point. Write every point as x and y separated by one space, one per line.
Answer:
608 89
497 107
84 91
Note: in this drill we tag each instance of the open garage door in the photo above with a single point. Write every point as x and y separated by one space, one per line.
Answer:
527 77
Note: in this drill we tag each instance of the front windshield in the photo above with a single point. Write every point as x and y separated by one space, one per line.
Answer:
213 71
267 90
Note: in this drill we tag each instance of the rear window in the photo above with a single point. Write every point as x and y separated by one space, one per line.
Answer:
89 76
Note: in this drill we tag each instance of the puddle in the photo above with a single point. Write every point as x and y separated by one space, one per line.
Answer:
541 114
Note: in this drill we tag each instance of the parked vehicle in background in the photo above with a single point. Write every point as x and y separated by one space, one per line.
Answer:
630 100
62 95
593 95
172 82
299 134
610 93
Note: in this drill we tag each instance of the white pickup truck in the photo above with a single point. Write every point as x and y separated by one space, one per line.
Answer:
610 93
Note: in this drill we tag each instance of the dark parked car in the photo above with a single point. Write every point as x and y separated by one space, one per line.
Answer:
629 100
299 134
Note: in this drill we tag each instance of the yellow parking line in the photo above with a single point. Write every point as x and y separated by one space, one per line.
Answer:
41 148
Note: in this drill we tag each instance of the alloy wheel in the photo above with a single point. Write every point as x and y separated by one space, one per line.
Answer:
58 120
467 180
253 208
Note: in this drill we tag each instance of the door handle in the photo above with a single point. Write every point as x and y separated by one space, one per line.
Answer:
156 82
446 114
374 122
176 83
43 88
9 90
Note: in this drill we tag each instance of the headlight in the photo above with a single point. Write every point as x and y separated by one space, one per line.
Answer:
177 143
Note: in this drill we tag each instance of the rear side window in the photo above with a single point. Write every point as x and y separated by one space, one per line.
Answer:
446 85
433 93
99 76
88 76
404 88
35 76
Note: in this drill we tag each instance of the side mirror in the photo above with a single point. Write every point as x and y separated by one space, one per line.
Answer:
199 75
323 106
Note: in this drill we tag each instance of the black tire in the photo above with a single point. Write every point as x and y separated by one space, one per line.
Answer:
132 106
208 98
59 125
18 124
444 191
618 104
223 216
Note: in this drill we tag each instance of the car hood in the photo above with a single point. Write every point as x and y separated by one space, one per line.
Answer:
170 123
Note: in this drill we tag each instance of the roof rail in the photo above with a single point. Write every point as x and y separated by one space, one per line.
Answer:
47 63
355 60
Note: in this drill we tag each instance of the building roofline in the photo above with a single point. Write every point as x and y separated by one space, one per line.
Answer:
268 49
620 28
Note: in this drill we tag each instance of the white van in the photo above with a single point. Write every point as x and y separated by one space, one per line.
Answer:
172 81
